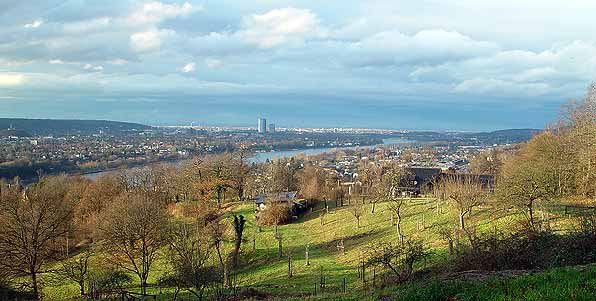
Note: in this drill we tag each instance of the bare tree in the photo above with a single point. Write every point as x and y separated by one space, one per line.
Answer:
465 192
76 269
395 207
241 171
132 231
189 250
217 231
32 226
357 209
399 259
529 177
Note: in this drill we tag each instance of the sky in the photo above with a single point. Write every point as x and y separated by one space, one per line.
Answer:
426 64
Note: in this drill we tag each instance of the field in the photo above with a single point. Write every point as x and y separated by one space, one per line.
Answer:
263 271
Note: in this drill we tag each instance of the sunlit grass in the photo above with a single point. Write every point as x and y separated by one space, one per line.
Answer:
264 270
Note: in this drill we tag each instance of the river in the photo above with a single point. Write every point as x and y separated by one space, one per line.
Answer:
261 157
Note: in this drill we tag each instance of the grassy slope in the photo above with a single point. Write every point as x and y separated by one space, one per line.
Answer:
557 284
264 271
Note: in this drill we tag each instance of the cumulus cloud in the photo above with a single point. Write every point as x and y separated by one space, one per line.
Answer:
11 79
390 48
280 26
148 40
34 24
188 68
154 12
56 62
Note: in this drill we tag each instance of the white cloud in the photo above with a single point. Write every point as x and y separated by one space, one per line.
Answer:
280 26
213 63
34 24
11 79
155 12
190 67
93 67
148 40
393 47
56 62
87 25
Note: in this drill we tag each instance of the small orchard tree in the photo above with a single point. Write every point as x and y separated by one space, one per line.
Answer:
189 250
131 232
398 258
395 207
465 192
357 210
76 269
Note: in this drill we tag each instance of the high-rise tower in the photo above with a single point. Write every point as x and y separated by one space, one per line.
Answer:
262 125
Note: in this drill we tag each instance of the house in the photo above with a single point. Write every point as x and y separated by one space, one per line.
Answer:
290 197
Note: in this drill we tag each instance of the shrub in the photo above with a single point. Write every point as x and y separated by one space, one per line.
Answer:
528 250
398 258
107 282
275 214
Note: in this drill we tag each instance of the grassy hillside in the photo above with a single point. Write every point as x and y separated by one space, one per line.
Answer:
265 272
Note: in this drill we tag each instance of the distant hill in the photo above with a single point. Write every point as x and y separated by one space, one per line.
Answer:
55 127
507 136
13 133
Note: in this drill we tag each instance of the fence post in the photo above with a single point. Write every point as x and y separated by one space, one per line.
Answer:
290 265
307 260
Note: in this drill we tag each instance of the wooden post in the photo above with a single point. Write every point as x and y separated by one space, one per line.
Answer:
279 238
290 265
306 255
374 275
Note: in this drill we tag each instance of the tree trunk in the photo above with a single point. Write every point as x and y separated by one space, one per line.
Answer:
462 225
398 227
82 288
35 285
530 214
223 265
